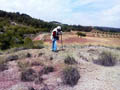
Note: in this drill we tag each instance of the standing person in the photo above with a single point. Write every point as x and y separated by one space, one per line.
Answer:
55 36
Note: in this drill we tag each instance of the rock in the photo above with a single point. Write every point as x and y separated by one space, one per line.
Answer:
12 58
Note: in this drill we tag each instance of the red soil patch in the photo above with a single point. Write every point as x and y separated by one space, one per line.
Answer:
71 40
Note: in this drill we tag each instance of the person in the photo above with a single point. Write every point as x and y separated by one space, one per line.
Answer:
55 37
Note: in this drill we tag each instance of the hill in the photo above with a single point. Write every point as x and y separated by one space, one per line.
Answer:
14 27
42 69
107 29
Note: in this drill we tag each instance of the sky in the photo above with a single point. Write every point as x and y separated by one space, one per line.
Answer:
79 12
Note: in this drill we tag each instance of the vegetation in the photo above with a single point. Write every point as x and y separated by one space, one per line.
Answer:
12 58
28 75
14 27
70 76
70 60
3 65
106 59
80 34
23 65
46 70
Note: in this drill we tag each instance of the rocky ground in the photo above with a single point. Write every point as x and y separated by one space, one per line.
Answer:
92 76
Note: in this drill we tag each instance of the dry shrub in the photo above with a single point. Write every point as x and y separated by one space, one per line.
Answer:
70 76
3 65
36 63
46 70
28 75
23 65
106 59
12 58
70 60
28 55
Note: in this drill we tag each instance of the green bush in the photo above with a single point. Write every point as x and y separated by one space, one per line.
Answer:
81 34
28 43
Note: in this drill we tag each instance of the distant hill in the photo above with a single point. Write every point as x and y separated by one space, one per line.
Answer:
107 29
37 23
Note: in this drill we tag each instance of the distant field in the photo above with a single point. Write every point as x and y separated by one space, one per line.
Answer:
72 38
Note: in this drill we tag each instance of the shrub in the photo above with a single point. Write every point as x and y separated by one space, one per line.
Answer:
46 70
12 58
28 75
36 63
28 43
81 34
70 60
38 44
23 65
106 59
31 88
70 76
28 55
45 88
3 67
39 80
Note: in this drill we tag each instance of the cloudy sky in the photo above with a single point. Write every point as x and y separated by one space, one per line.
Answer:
83 12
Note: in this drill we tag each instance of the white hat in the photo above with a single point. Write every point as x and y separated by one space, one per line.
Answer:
59 27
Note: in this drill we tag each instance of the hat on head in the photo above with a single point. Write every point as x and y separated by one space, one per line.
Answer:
59 27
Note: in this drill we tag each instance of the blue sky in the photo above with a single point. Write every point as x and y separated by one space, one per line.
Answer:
82 12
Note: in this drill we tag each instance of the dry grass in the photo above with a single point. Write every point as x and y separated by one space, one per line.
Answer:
70 76
23 65
111 42
106 59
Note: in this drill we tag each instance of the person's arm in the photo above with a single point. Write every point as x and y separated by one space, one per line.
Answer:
60 32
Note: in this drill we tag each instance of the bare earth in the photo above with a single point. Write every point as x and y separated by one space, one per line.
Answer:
93 77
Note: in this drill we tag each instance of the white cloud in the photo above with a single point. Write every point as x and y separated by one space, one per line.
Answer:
97 12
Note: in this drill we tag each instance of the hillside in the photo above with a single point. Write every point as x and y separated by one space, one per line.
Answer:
107 29
15 27
41 69
37 23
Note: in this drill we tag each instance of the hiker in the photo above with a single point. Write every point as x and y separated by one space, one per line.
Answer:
55 36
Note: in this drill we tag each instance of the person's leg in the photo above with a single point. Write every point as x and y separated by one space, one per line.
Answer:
53 42
55 45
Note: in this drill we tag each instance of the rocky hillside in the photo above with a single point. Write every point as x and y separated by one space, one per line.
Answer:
74 68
